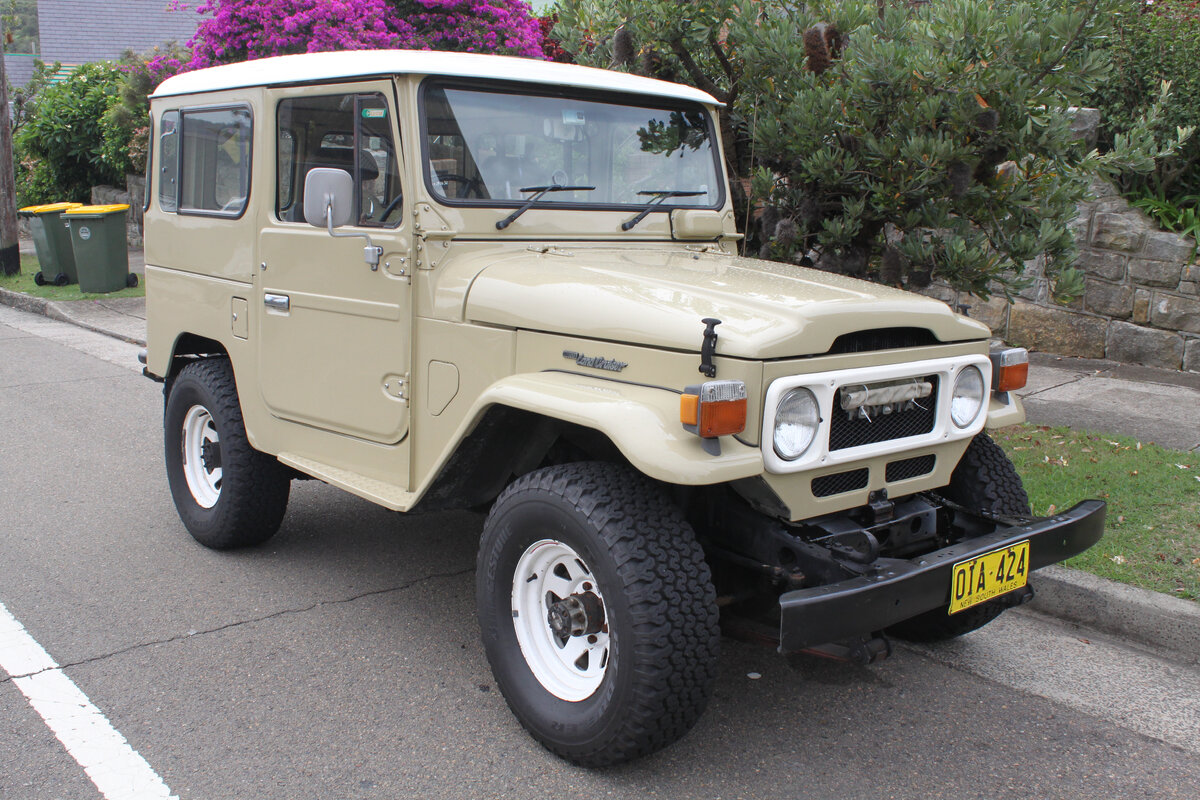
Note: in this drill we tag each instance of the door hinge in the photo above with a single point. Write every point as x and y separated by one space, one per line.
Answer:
397 386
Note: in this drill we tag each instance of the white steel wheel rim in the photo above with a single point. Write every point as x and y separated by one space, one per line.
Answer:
549 571
199 430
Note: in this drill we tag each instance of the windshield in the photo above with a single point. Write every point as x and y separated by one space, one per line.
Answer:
483 147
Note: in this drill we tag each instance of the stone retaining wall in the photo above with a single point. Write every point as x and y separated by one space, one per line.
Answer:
1141 303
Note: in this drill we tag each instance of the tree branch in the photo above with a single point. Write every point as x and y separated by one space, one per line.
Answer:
702 81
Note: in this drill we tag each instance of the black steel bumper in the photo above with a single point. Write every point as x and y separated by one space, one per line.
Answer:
899 589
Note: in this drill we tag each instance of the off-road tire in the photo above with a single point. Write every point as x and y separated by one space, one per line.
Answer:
659 599
254 487
984 480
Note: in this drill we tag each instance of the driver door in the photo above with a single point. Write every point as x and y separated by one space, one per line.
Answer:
335 333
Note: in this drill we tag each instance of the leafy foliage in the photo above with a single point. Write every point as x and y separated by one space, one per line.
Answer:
125 126
937 144
1154 42
58 147
895 141
20 19
240 30
1178 214
24 98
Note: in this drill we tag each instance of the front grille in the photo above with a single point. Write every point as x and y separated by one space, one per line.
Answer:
839 482
882 339
910 468
845 431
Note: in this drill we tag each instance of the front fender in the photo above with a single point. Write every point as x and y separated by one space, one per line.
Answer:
642 421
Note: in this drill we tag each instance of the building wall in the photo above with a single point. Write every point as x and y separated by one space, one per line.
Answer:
82 31
18 68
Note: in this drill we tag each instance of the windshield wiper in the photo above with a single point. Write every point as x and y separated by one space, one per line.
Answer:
659 195
541 190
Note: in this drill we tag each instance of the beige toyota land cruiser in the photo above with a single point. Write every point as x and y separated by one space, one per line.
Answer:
456 281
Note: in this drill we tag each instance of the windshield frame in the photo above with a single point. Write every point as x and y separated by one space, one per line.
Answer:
564 92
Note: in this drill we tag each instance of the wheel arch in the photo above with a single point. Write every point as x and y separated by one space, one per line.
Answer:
188 347
526 421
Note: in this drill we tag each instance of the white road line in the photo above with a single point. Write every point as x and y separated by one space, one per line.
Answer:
119 771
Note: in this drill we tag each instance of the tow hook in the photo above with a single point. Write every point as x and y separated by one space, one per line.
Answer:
862 650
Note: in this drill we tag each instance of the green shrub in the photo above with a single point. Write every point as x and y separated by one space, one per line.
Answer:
1154 42
125 126
895 141
58 149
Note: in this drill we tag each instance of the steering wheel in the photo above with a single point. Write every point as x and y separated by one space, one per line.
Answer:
390 207
472 184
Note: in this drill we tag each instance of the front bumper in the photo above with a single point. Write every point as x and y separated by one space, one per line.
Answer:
899 589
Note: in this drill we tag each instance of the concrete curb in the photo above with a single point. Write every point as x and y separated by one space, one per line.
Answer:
1136 615
55 310
24 302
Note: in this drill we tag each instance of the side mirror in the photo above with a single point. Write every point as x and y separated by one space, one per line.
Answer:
328 191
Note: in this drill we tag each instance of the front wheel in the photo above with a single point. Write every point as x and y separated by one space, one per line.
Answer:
597 612
984 480
227 493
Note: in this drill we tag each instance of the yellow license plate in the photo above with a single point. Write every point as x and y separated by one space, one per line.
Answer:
979 579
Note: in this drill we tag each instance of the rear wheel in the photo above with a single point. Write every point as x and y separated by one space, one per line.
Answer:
597 612
984 480
227 493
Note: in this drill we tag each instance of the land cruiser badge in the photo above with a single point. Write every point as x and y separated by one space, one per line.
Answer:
596 362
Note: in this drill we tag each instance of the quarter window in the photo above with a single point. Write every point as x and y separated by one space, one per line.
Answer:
215 162
168 162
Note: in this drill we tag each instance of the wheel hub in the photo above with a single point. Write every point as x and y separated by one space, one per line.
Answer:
201 456
210 455
560 620
577 615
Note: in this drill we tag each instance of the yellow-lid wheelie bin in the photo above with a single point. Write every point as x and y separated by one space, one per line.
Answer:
52 242
100 247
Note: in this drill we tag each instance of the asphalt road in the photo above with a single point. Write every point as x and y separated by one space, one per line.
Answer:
341 660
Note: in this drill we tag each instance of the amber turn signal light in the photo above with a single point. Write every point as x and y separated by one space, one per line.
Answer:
1010 369
714 408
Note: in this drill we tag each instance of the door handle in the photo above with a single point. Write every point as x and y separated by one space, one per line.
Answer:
277 302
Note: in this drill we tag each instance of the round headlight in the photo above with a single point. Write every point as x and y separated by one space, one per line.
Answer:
796 420
968 396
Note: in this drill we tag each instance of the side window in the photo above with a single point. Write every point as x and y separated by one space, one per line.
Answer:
351 132
215 161
168 161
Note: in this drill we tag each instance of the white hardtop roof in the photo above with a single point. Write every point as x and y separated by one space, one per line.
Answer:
313 67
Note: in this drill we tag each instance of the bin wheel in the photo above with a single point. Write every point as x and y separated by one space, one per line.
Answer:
39 279
61 279
131 280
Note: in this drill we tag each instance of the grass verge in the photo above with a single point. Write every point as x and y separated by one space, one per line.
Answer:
23 282
1152 532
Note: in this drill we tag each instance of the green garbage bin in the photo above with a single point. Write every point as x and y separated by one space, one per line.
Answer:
101 250
52 242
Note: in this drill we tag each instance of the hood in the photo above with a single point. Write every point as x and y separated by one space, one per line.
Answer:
657 298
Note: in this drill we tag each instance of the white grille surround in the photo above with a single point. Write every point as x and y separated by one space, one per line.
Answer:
825 387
